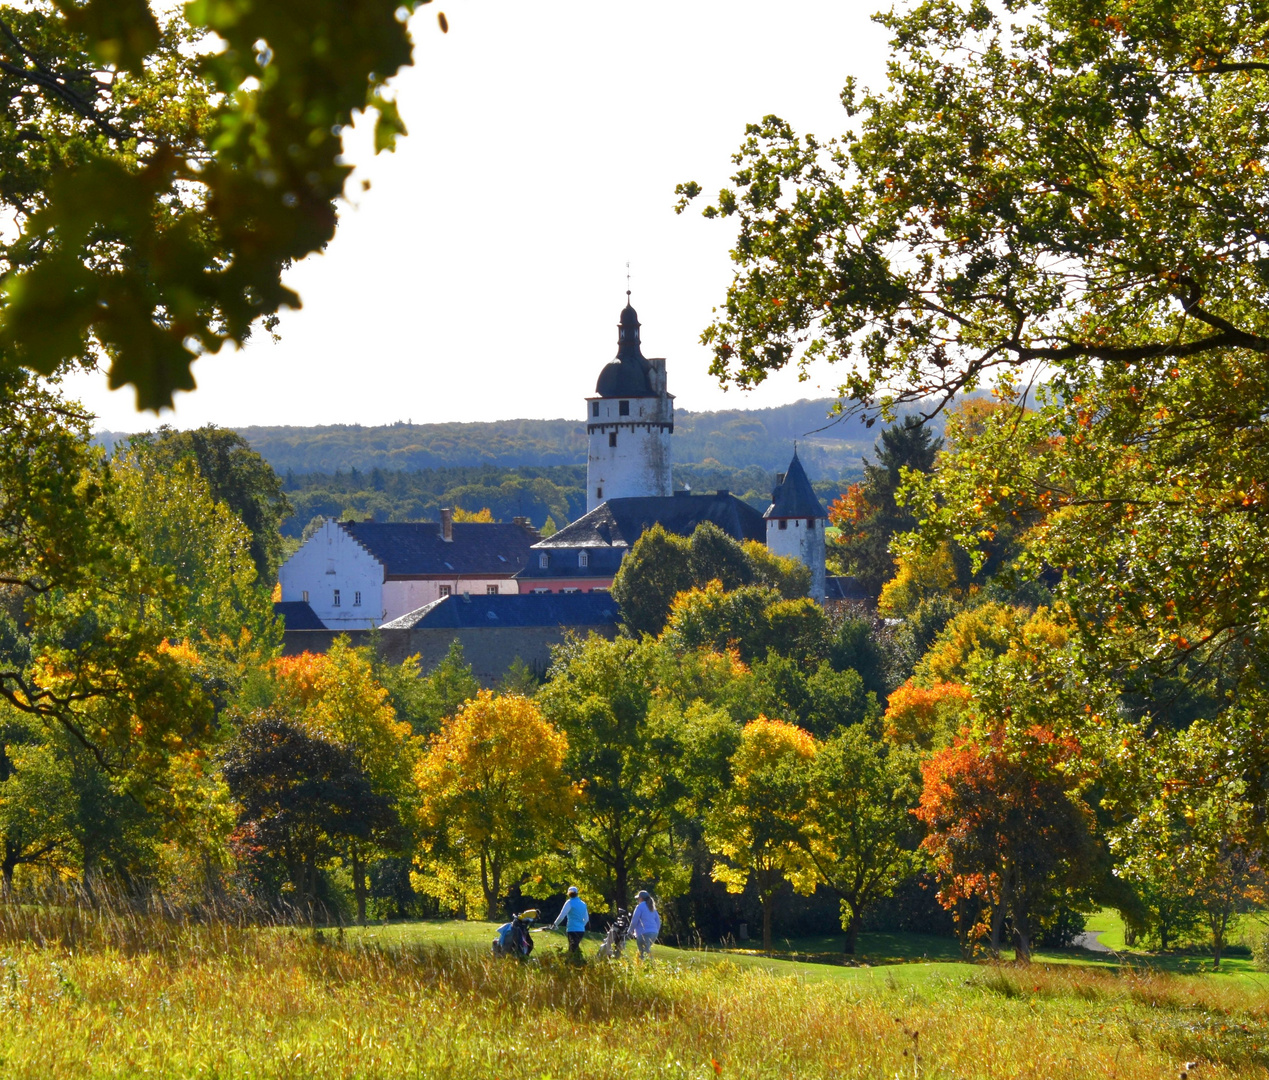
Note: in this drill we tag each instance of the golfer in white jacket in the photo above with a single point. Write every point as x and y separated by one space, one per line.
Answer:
645 924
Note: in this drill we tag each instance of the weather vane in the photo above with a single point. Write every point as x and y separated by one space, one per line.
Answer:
627 279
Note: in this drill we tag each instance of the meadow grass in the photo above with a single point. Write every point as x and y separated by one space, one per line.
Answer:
142 995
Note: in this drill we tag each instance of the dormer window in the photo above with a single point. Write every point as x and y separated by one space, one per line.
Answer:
583 559
623 408
544 560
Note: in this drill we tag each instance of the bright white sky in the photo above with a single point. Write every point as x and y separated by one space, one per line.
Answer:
482 274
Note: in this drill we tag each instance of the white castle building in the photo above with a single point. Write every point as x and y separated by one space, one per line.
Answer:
359 575
629 487
795 524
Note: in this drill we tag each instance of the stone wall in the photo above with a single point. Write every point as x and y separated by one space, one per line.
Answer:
489 650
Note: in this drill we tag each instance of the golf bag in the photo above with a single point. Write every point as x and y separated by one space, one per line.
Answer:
615 939
513 938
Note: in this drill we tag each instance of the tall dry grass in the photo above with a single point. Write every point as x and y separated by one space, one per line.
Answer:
94 992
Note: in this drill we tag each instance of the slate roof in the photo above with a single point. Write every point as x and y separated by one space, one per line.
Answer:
511 610
626 376
297 615
845 588
618 523
415 548
794 497
603 563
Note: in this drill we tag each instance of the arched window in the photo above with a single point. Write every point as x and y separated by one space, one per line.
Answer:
544 560
583 559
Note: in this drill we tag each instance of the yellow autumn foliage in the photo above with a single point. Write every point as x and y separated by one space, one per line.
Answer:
490 787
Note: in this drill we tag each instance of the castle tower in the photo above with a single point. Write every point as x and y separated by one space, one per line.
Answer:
795 523
629 423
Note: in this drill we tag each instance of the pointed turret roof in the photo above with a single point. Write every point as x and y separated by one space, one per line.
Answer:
793 496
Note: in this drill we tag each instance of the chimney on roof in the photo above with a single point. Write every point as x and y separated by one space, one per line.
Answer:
527 526
447 524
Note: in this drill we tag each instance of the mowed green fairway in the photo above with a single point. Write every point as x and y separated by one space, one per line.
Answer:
903 958
426 1000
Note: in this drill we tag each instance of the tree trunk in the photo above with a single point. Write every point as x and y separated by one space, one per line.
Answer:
1023 949
359 883
1021 930
10 862
491 882
997 925
620 881
963 913
852 932
1219 926
766 921
310 889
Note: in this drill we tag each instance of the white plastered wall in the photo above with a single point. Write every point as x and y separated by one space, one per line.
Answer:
329 561
640 463
803 543
403 595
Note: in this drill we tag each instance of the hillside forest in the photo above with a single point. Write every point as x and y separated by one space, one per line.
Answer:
537 468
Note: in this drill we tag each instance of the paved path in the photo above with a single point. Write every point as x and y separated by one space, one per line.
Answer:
1088 940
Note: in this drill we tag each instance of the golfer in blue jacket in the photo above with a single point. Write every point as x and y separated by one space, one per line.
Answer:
575 917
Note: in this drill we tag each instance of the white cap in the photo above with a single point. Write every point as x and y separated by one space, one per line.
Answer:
572 890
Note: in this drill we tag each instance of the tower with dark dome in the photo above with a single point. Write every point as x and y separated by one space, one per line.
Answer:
629 422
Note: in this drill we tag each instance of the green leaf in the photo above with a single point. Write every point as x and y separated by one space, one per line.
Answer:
121 33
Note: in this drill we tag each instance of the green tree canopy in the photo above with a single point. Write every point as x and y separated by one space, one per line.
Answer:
164 166
237 476
1072 184
88 617
300 796
859 833
661 565
177 524
869 518
754 620
624 756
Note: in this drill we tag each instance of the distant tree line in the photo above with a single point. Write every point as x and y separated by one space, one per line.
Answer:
735 438
554 492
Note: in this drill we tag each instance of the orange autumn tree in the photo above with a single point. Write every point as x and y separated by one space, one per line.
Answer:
755 825
336 697
1007 831
491 787
928 718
